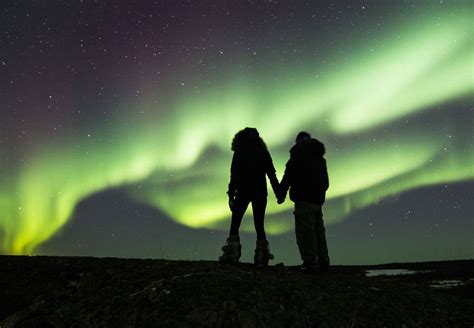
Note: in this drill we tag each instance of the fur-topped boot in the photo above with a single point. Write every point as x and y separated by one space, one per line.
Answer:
232 250
262 253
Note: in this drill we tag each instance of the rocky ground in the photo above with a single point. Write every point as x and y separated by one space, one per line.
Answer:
110 292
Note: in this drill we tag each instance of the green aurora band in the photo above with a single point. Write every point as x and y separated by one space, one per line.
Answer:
179 162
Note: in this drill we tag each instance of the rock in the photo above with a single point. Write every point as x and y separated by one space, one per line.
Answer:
204 318
119 293
37 304
247 319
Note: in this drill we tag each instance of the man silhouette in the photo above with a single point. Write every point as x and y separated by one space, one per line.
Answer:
307 178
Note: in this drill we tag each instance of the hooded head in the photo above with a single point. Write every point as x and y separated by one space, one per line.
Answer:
302 135
305 145
247 138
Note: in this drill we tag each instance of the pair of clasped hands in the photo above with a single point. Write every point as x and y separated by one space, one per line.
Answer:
280 200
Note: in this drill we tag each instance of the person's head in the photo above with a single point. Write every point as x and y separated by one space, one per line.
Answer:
247 138
305 144
302 135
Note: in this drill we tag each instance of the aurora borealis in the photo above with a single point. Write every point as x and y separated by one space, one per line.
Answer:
146 97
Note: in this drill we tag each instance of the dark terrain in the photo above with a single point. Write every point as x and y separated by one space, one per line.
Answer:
110 292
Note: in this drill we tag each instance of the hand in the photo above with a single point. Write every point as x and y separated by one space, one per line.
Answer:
231 205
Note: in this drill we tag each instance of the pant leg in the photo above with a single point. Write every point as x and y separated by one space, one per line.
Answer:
305 231
322 247
240 206
258 207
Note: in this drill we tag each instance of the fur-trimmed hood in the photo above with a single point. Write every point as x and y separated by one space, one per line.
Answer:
308 146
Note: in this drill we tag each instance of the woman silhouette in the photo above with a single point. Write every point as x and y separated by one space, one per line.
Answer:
248 184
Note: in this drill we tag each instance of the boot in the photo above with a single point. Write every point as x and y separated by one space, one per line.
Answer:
262 254
310 265
323 266
232 250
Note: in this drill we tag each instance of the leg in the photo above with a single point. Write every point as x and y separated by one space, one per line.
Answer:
232 248
322 247
240 206
258 208
305 231
262 250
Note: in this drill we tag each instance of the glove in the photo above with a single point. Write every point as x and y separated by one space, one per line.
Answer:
280 197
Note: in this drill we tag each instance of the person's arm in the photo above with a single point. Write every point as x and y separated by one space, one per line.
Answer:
324 177
271 173
234 177
286 180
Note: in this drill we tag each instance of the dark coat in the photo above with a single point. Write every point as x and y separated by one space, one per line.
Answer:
306 173
247 173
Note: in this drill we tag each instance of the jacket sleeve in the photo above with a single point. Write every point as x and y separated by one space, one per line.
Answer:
271 173
324 176
287 179
234 177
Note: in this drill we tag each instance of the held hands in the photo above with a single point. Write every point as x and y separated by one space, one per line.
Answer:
281 197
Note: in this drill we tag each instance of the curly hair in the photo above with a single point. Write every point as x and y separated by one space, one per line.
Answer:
247 139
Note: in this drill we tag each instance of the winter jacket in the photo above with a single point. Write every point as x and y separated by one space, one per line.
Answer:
306 173
247 173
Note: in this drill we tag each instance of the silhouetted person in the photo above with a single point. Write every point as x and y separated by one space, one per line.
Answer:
250 165
306 176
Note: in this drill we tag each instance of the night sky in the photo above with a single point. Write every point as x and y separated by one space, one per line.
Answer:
116 119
